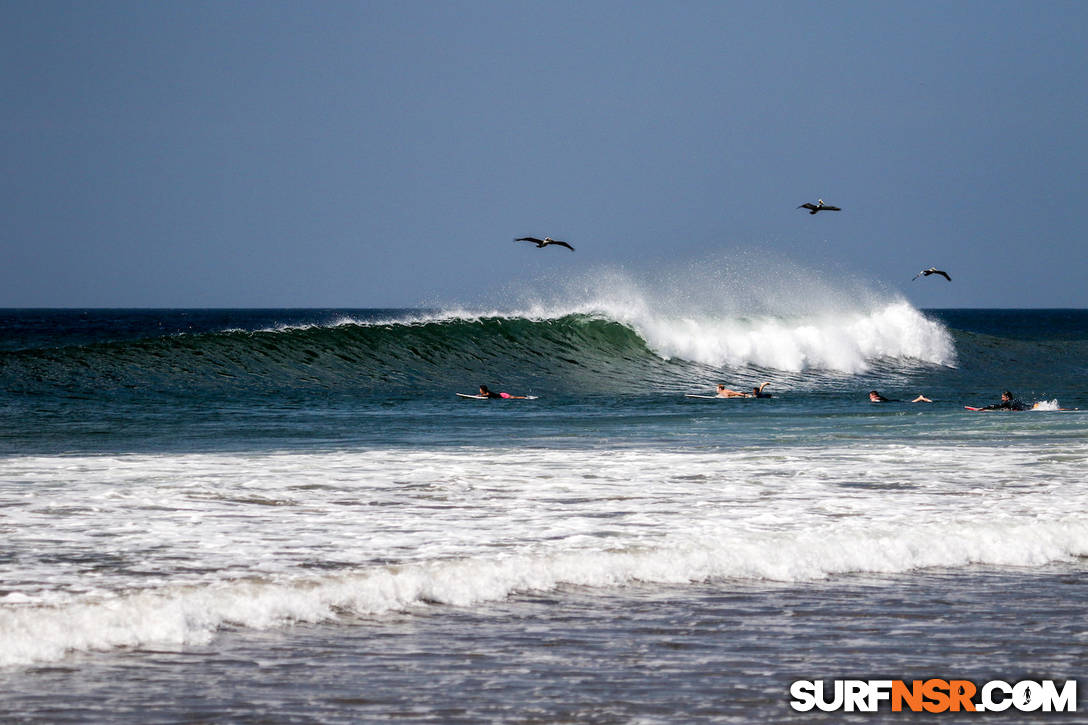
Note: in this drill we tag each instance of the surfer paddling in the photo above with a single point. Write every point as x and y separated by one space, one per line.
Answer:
484 392
876 397
724 392
1008 402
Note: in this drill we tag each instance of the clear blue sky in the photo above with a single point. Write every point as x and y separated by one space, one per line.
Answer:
385 154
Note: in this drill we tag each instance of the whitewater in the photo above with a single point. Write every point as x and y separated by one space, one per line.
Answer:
296 502
739 315
230 540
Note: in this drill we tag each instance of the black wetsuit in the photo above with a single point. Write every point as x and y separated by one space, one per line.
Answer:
1014 404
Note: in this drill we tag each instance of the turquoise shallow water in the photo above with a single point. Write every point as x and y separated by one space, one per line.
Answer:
297 502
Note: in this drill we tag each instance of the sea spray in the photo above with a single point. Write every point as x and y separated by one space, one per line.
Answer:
789 319
603 345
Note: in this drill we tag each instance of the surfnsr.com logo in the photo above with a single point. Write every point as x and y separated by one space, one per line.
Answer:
933 695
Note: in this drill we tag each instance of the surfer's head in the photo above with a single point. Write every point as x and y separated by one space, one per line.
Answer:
1006 395
484 390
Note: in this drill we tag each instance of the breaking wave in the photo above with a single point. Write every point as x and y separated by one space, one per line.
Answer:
609 333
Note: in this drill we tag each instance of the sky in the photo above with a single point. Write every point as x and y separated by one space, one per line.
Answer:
386 154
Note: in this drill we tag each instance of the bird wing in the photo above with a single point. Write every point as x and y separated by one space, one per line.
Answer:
828 207
807 205
561 244
932 270
529 239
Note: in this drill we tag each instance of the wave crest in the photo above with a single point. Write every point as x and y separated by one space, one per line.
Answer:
844 342
587 349
605 332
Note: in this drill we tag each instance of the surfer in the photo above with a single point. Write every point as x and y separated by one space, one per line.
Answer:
724 392
876 397
1008 402
488 394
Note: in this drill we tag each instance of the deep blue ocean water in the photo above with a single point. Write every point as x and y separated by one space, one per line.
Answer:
295 502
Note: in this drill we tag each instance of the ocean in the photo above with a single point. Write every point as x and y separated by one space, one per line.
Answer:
289 515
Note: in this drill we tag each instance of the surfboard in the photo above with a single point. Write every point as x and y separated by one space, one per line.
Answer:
1025 410
720 397
484 397
1010 410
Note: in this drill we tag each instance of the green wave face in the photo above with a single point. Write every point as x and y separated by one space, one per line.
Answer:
577 352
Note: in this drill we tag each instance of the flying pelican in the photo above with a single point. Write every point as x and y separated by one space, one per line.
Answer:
818 206
541 243
931 270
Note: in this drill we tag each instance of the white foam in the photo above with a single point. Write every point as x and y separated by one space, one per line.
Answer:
779 316
121 551
190 615
794 323
844 342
